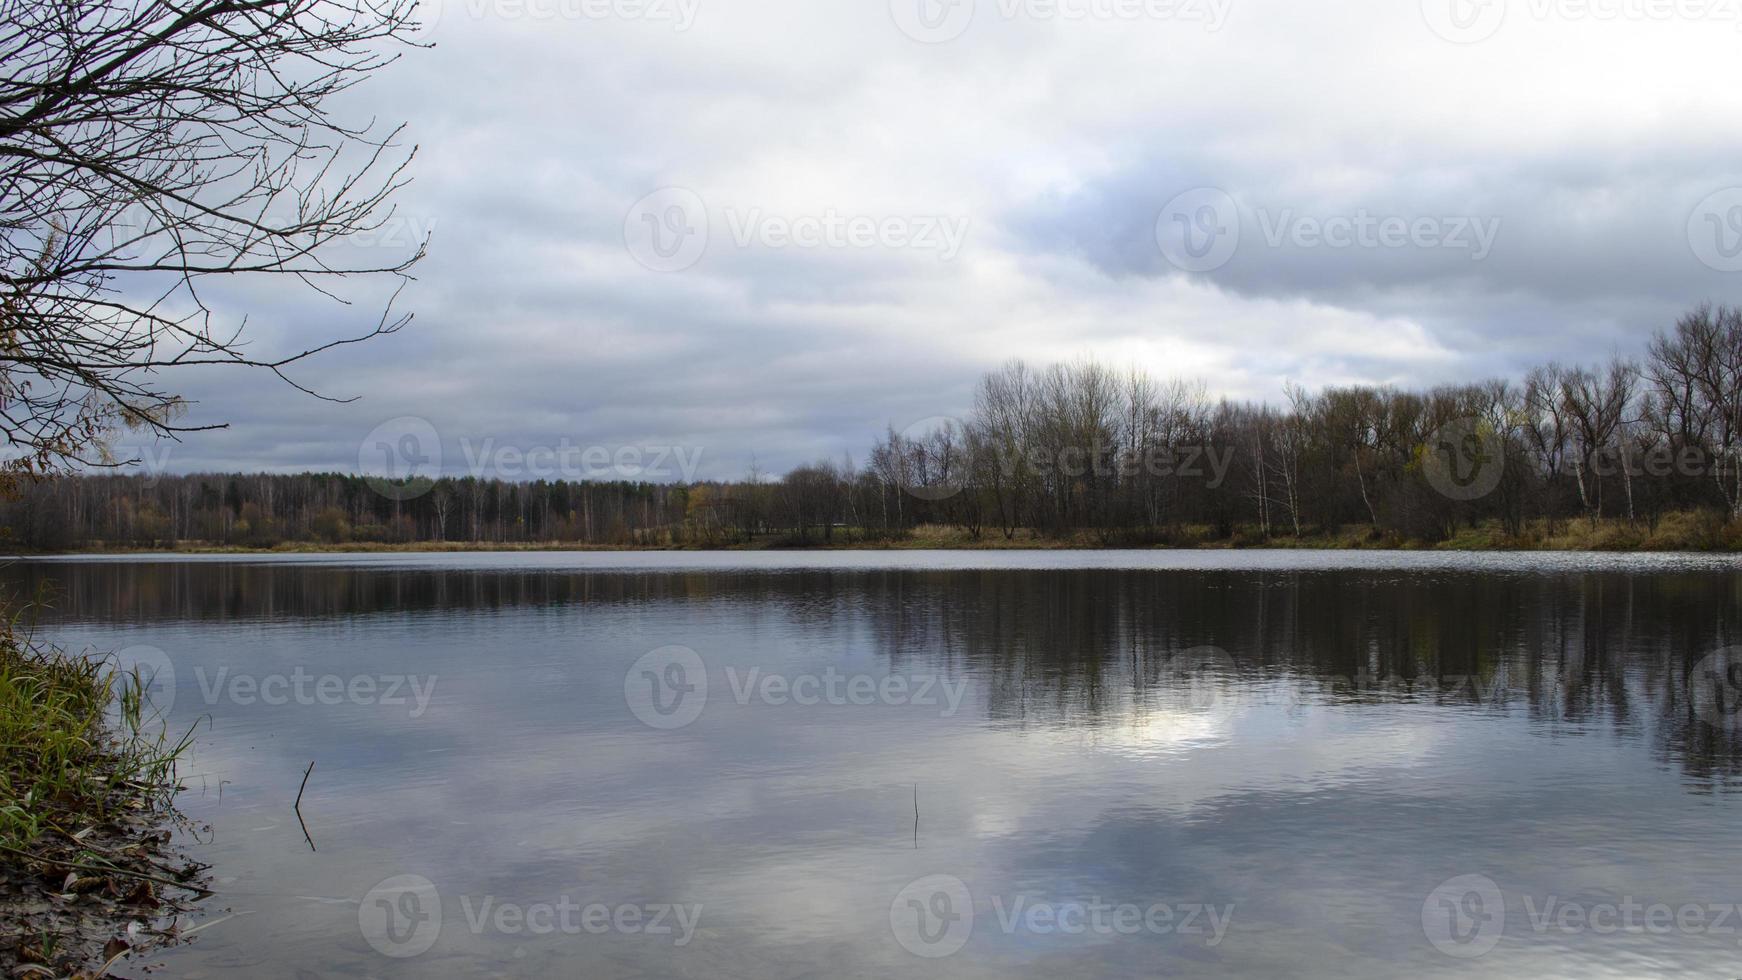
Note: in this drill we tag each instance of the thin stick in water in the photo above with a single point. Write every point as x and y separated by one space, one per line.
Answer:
298 807
305 772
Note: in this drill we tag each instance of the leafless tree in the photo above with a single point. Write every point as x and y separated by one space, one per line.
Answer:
148 146
1597 406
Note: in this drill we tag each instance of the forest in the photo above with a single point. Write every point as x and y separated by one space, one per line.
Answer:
1079 451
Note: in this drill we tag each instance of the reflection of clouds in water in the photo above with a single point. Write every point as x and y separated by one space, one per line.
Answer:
1078 762
805 898
1160 733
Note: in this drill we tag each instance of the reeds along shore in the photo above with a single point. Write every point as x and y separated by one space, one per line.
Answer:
86 807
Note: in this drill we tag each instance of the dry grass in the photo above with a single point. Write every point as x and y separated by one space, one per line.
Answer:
88 873
80 739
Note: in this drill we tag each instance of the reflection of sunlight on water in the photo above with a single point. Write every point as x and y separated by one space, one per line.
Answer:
1152 733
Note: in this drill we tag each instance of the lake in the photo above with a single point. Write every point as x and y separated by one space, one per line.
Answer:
1002 764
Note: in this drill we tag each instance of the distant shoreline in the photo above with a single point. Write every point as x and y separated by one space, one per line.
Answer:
1676 532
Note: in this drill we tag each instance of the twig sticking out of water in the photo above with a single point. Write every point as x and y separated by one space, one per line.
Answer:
916 816
298 807
305 772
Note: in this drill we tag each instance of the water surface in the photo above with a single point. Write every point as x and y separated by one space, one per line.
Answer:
1125 763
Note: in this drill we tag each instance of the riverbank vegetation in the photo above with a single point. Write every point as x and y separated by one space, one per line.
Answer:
87 868
1601 454
78 738
151 151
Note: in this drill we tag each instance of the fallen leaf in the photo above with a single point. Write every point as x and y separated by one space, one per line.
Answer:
142 894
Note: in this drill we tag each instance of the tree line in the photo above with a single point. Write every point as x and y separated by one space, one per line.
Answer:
1065 449
1081 446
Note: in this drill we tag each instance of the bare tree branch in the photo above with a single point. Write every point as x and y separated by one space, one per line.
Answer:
146 145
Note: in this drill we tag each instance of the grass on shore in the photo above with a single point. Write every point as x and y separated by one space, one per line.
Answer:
1676 531
79 742
86 788
1679 531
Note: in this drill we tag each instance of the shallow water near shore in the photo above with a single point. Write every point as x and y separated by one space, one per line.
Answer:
711 764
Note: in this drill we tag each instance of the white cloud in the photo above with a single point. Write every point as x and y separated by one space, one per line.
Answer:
1056 142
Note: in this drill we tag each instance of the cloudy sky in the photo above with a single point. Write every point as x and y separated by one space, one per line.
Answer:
774 227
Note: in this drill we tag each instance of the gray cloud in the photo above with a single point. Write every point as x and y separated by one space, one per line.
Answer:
1057 143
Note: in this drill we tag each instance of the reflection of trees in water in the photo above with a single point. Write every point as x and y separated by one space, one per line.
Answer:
1595 655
